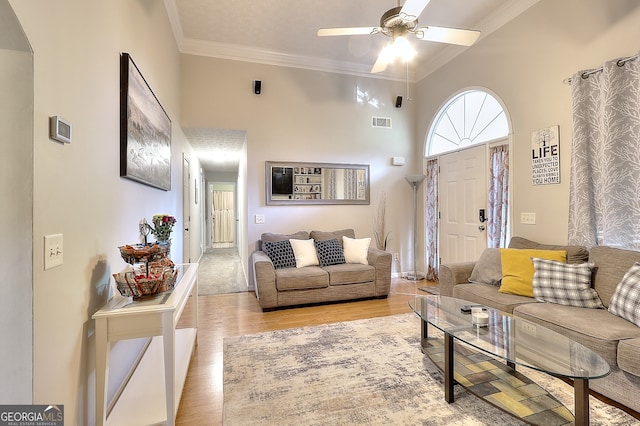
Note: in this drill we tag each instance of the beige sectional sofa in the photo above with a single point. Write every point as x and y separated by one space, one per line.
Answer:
615 339
289 286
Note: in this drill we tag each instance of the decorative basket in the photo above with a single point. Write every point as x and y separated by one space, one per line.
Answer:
139 284
144 253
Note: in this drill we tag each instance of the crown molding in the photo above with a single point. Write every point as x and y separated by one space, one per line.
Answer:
269 57
244 53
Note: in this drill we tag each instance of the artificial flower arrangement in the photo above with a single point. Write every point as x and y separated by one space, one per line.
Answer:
162 226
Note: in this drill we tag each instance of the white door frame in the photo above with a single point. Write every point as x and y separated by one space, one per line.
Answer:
186 209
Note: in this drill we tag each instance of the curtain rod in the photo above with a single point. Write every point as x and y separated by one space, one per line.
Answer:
586 74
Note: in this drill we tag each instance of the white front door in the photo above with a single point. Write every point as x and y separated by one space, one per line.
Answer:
463 188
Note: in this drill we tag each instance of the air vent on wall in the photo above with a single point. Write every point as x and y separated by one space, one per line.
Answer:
381 122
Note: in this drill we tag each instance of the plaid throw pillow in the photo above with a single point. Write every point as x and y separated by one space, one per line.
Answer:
625 301
330 252
280 253
564 284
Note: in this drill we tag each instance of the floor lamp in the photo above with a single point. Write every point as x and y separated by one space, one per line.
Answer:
415 181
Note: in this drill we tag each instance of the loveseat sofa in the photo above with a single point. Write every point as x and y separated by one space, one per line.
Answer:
616 339
342 273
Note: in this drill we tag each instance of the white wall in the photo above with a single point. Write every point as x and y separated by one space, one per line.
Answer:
77 188
305 115
525 63
16 191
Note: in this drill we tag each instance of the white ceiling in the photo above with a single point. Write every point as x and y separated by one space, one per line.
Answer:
283 32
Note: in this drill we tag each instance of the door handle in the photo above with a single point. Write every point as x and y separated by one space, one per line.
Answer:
481 228
482 217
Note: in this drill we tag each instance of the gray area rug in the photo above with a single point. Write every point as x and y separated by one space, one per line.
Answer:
220 272
366 372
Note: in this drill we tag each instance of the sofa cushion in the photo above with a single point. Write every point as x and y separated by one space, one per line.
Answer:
566 284
267 236
330 252
575 254
301 278
356 250
350 274
597 329
333 235
517 268
488 295
305 253
628 359
488 269
300 235
280 253
625 301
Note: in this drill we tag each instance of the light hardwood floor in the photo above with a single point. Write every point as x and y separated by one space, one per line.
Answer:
227 315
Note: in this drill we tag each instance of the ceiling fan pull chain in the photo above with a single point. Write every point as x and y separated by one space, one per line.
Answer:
408 97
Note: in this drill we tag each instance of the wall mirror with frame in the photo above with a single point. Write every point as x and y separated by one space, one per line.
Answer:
292 183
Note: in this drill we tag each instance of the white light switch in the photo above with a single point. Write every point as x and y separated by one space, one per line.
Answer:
259 219
53 251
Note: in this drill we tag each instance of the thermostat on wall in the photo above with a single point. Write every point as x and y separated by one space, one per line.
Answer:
397 161
59 129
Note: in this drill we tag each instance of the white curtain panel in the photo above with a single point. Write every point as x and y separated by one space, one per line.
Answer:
604 195
223 217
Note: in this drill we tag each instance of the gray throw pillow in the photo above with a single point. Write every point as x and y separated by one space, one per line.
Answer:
488 269
280 253
330 252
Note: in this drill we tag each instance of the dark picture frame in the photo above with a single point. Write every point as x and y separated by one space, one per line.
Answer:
145 130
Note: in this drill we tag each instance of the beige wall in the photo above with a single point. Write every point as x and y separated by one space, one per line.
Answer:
525 63
305 115
77 188
16 191
302 115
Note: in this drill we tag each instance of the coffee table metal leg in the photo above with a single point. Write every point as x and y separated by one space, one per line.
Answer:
425 335
448 368
581 396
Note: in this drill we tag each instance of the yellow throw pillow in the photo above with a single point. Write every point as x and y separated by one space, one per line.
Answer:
518 270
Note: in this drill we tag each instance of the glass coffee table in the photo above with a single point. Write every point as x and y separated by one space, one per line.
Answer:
515 341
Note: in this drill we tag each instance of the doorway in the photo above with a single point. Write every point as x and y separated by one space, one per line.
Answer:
223 215
460 198
463 204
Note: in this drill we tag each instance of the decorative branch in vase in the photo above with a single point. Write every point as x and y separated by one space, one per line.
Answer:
382 236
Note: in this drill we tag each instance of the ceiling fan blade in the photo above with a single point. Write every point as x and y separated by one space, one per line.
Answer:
448 35
323 32
381 62
414 7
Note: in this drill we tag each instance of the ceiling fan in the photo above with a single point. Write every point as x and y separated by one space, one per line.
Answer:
397 23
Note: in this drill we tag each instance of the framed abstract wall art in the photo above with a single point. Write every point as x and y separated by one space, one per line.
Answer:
145 130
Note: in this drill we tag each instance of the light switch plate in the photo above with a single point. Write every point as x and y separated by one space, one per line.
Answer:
528 218
53 251
259 219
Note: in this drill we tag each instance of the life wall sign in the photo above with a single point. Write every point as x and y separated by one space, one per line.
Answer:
545 156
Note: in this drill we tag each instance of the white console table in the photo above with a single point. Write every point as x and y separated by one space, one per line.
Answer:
142 400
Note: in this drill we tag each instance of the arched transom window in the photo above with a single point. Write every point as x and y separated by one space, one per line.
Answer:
469 118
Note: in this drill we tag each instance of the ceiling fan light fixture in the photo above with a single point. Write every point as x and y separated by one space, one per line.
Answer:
402 49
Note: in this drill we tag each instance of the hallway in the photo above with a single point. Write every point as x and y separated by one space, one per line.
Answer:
221 272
